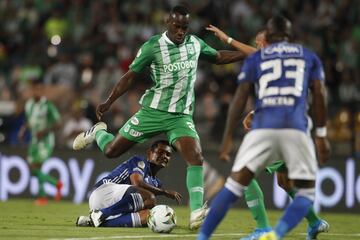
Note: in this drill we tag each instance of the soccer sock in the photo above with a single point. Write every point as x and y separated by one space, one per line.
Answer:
128 204
311 216
219 207
127 220
103 138
255 202
293 214
195 186
43 178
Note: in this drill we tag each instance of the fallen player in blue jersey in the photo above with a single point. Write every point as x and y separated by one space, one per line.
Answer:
123 198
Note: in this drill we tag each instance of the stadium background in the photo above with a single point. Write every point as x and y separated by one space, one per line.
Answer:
80 49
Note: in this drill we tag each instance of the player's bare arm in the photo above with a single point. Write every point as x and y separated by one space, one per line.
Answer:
320 113
225 57
237 106
119 89
137 180
244 48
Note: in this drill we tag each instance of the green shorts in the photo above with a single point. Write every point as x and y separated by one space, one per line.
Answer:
148 122
39 152
278 166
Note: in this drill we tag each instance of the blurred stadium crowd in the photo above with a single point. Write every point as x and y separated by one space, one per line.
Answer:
80 48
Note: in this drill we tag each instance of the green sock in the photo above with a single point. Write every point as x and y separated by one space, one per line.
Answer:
103 138
255 201
311 216
195 186
43 178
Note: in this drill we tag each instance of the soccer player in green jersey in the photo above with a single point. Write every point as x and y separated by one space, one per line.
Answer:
167 107
42 118
253 194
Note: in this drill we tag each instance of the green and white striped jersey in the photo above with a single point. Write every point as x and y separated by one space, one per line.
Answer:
173 70
40 115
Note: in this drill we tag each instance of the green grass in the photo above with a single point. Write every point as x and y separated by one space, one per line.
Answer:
21 219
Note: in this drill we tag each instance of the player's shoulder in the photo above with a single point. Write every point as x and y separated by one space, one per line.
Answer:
138 160
153 40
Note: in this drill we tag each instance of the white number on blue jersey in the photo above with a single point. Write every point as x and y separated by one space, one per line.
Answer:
276 68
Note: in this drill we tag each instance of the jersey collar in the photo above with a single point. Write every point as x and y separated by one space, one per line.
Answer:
167 39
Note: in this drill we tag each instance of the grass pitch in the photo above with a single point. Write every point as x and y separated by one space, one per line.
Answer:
21 219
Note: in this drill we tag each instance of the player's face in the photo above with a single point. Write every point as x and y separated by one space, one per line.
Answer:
37 90
177 27
161 155
260 40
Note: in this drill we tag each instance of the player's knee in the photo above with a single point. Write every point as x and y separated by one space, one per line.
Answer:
110 152
150 201
196 159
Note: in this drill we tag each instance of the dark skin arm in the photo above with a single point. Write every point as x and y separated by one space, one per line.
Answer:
320 113
138 180
225 56
118 90
237 106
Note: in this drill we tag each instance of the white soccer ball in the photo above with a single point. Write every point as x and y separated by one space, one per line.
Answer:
162 219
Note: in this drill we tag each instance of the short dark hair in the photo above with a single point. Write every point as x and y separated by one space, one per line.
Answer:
155 144
180 9
278 28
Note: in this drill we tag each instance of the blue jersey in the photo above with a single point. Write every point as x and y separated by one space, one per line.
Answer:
121 174
282 74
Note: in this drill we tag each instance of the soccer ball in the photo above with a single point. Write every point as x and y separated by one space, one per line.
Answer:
162 219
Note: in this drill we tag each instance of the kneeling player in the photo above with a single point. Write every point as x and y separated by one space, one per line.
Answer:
122 198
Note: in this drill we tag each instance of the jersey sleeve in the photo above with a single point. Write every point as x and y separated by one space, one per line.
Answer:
53 113
317 70
247 73
137 165
206 52
143 58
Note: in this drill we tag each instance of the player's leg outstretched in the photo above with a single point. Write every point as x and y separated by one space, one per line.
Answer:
190 150
112 146
135 199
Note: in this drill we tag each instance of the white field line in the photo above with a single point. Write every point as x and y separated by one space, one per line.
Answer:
170 236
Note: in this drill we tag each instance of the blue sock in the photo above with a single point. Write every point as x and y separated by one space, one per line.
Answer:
218 208
294 213
129 203
127 220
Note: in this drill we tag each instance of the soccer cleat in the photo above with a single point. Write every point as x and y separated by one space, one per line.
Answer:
197 217
83 221
269 236
96 218
320 226
59 186
256 234
85 138
41 201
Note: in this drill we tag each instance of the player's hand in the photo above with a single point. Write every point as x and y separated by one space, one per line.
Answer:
322 149
248 120
173 195
101 108
225 150
218 33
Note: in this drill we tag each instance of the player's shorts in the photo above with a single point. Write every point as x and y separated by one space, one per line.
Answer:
261 146
108 194
41 151
278 166
148 122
